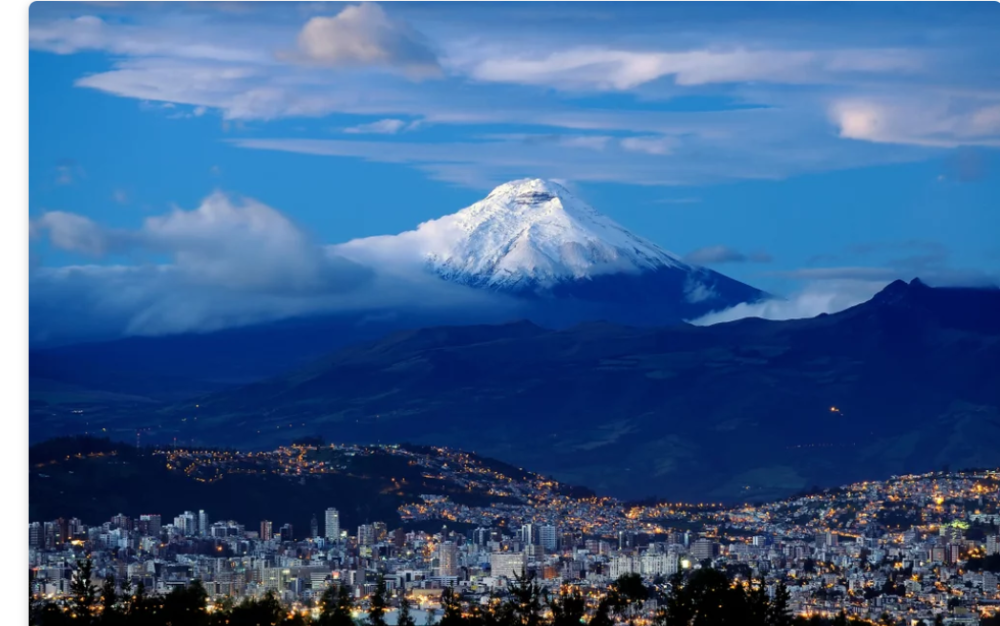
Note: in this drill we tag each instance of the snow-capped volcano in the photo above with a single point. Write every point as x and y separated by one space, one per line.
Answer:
534 238
533 234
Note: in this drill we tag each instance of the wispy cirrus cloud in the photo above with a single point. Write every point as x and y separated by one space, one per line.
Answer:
362 60
616 69
381 127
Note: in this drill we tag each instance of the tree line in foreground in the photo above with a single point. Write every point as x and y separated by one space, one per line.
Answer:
702 597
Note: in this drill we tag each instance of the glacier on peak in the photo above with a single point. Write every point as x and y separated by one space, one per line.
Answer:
526 234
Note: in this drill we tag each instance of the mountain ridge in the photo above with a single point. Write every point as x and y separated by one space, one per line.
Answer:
890 385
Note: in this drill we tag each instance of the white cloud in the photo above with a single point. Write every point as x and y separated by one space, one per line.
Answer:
231 262
381 127
363 35
72 232
649 145
239 245
190 58
610 69
833 289
930 120
88 33
823 297
692 159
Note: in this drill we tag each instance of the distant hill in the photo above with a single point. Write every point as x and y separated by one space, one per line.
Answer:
94 479
908 381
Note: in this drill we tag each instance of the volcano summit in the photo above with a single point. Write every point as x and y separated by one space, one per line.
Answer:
534 240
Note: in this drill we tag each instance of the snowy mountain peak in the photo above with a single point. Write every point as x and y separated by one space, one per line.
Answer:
525 235
534 233
531 192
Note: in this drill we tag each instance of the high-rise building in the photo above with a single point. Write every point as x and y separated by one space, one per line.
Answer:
266 530
50 535
332 527
35 535
547 537
286 532
203 523
314 527
507 564
704 549
153 523
76 527
623 564
993 545
529 534
122 521
481 536
186 523
380 530
448 559
366 535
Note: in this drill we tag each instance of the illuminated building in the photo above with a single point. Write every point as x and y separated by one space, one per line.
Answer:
332 526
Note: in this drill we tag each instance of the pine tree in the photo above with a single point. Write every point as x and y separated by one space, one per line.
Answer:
778 613
341 614
602 615
84 592
111 614
526 600
252 612
450 604
568 609
679 607
186 605
757 606
377 606
404 619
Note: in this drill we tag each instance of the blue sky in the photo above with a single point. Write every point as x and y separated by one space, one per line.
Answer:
813 150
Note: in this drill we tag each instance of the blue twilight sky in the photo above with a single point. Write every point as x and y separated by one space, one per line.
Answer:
188 158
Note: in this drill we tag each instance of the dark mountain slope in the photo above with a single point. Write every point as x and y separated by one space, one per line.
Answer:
907 381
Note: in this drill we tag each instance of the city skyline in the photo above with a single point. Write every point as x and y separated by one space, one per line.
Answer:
510 314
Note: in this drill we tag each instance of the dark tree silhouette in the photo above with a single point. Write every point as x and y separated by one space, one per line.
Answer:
377 605
111 613
452 609
84 592
568 609
630 594
335 607
778 613
252 612
186 605
526 601
404 619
